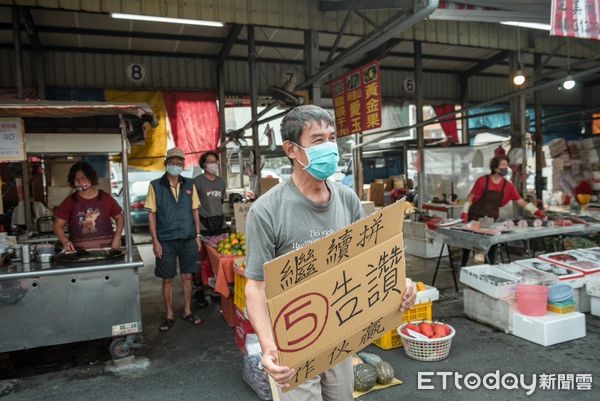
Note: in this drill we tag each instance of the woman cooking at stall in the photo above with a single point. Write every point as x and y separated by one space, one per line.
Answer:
489 194
89 213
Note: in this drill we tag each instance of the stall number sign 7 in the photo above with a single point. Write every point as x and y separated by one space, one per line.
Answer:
136 72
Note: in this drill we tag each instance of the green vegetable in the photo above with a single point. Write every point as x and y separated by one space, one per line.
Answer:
371 359
385 372
365 377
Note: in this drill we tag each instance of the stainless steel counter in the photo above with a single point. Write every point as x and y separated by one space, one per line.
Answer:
17 269
51 303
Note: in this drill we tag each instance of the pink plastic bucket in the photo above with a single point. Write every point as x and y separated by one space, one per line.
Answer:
532 300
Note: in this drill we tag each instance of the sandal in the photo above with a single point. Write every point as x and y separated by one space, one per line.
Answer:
192 319
166 325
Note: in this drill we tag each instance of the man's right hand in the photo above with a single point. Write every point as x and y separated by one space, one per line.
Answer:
464 217
281 374
157 248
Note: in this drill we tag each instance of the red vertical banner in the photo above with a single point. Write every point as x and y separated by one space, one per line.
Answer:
357 100
575 18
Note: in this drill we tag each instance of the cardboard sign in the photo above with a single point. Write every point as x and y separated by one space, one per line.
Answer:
333 297
240 212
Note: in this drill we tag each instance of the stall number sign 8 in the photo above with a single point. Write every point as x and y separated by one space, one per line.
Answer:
136 73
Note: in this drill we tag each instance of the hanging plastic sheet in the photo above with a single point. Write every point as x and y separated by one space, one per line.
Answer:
459 165
194 122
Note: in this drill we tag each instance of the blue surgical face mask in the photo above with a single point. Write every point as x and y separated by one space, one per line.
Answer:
503 172
323 160
174 170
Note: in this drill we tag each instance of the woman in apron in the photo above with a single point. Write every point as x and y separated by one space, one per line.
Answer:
489 194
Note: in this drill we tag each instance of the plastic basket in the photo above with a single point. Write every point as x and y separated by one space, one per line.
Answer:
433 349
239 288
391 339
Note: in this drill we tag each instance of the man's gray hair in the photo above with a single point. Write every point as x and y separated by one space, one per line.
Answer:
300 117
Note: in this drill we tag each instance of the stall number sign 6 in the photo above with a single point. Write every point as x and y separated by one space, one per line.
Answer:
136 73
409 85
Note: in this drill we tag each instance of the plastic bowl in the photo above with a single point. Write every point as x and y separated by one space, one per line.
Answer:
560 292
532 300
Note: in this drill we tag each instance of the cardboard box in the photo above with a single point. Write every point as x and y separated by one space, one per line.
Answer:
59 172
376 191
240 212
267 183
550 329
57 194
333 297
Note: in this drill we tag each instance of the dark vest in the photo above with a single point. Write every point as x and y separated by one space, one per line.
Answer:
174 219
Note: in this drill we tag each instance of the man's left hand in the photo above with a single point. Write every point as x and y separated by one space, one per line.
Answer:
410 295
199 243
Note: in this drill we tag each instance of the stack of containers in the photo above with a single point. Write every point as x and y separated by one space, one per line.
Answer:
560 298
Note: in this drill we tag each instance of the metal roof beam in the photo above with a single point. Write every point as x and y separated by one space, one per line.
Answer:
399 22
234 32
485 64
362 4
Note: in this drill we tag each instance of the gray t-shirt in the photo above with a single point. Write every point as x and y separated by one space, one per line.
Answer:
283 220
211 194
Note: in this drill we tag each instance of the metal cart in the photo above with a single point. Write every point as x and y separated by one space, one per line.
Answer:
44 304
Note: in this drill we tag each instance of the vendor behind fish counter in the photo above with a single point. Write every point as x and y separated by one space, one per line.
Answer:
89 213
489 194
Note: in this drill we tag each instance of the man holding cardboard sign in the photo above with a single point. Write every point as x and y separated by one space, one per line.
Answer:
320 275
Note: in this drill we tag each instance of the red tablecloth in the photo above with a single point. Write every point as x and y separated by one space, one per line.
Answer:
222 267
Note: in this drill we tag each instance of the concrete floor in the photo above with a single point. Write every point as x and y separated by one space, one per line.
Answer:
203 363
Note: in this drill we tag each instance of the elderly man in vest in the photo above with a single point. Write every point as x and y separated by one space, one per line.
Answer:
174 224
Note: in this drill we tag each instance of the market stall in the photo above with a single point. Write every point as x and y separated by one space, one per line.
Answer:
465 236
85 295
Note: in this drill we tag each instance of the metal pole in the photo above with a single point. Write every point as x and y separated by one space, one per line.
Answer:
420 130
514 103
253 103
18 52
27 193
539 136
125 191
522 126
464 87
222 132
357 167
496 100
311 50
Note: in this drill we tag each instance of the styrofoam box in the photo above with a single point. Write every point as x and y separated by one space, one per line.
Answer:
487 310
429 295
471 277
595 306
592 287
550 329
583 302
423 249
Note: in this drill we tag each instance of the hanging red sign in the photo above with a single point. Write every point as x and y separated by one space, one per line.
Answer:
576 18
357 100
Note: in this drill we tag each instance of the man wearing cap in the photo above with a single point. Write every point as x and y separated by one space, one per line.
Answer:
174 224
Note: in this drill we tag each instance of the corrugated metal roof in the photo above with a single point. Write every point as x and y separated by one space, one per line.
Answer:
305 14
